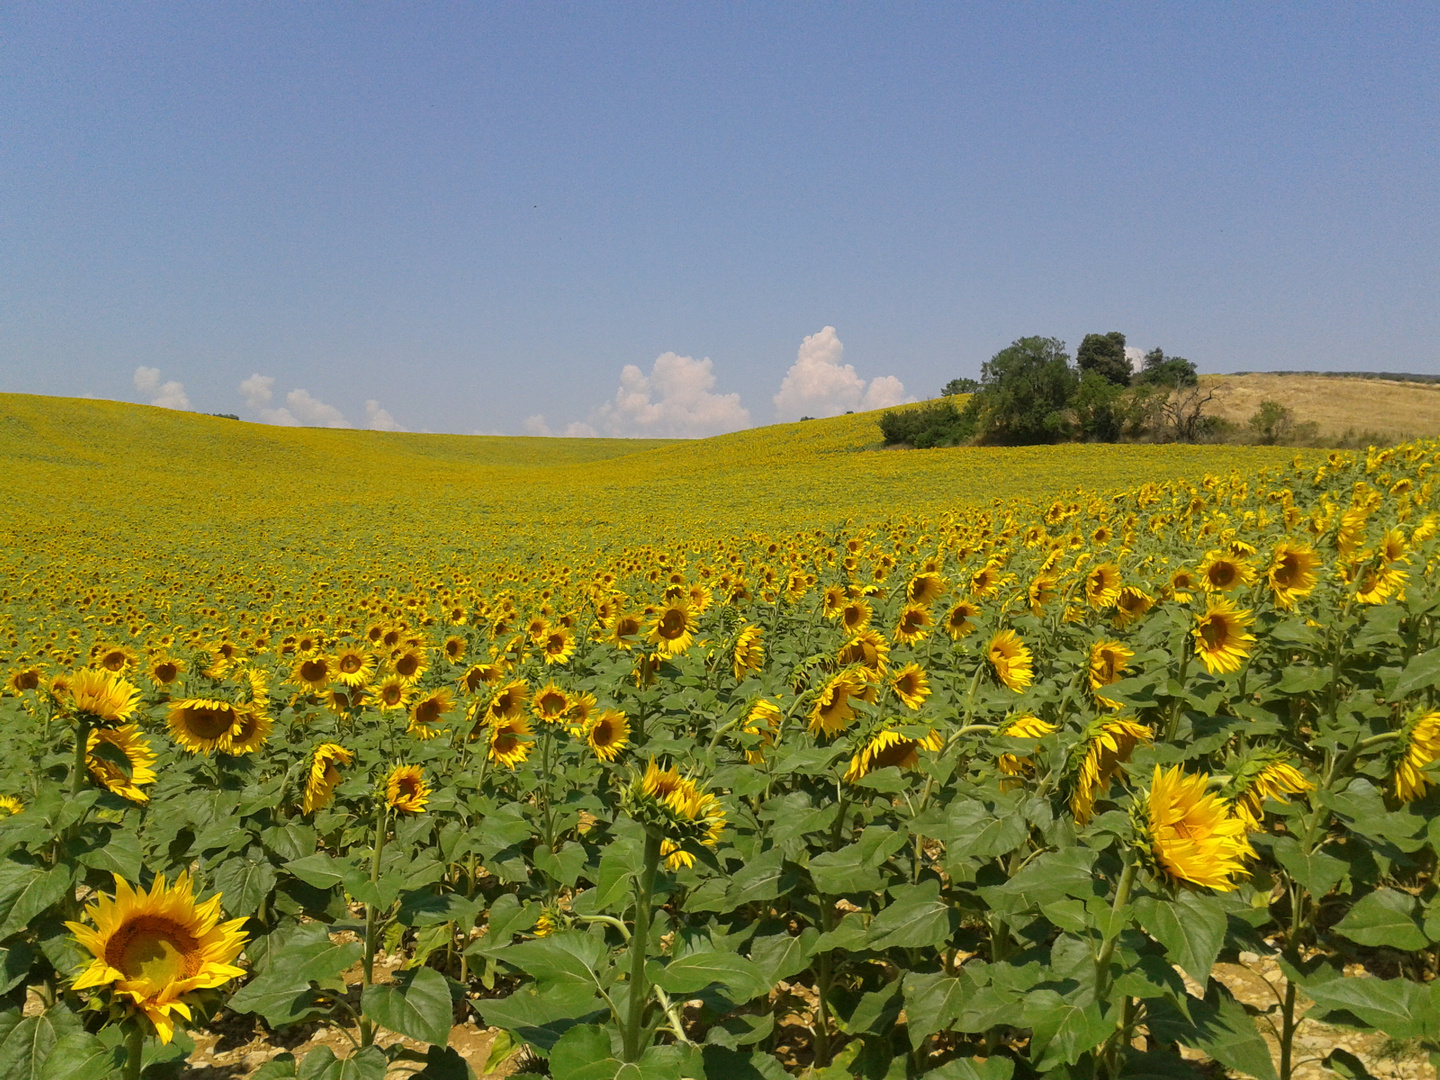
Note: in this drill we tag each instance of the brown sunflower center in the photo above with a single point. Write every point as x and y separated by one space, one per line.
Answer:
166 671
205 722
407 665
314 670
350 663
672 624
427 712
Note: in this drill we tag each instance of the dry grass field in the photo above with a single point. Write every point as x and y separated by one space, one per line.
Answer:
1390 411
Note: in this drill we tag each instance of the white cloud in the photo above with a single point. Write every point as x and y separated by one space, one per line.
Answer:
378 419
674 401
580 430
168 395
818 384
1135 356
258 390
312 412
536 425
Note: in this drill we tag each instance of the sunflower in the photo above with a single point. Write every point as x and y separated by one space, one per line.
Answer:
986 581
251 732
1182 585
676 805
124 781
1011 660
1022 727
763 719
392 692
509 740
833 712
481 675
353 667
578 712
1102 585
1192 834
164 670
115 658
924 589
558 645
410 664
203 725
1420 745
832 600
958 620
1108 661
911 685
855 615
103 697
11 806
672 629
889 747
1040 594
406 791
1220 638
1292 572
1221 572
22 679
313 672
1266 776
869 650
1133 603
151 949
1094 760
625 631
1375 582
428 714
454 648
608 734
910 628
324 775
748 654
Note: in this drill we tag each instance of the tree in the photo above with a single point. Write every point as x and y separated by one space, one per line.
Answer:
1183 412
1271 422
1104 354
1098 408
1161 370
959 386
1025 392
939 423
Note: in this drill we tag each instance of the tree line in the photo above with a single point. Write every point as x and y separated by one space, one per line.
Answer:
1031 392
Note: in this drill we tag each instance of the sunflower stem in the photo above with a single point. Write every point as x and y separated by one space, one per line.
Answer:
82 745
1174 724
367 1029
1112 932
134 1050
639 942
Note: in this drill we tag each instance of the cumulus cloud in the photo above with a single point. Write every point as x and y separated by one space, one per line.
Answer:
312 412
378 419
258 390
537 425
676 400
1135 356
818 384
167 395
302 408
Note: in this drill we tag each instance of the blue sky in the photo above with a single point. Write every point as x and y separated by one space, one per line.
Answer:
547 218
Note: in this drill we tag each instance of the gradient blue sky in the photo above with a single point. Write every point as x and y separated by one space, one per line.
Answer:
472 215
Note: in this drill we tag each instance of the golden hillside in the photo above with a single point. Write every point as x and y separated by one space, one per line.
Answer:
1384 409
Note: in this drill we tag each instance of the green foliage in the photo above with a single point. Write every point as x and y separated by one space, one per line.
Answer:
1161 370
1025 394
959 386
938 423
1104 355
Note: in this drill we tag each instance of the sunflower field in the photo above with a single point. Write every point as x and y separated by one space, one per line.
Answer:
975 794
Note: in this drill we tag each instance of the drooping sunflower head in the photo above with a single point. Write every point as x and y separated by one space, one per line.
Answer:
1221 640
911 626
103 697
151 949
1266 774
1041 593
203 725
406 791
120 761
251 732
1102 585
1093 761
608 734
1026 726
324 775
925 588
1132 604
763 720
1011 660
673 805
911 685
1192 834
889 747
748 653
1108 662
479 676
1419 744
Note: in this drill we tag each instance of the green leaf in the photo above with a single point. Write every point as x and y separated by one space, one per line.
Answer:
424 908
1318 872
244 882
1191 928
15 965
1421 672
445 1063
322 1064
722 1063
25 1048
81 1056
1061 1031
994 1067
691 974
1384 917
280 1067
540 1018
1219 1026
1400 1008
583 1053
120 854
762 878
837 873
277 999
917 918
779 956
26 891
567 957
932 1003
417 1005
291 842
320 871
1053 876
1346 1064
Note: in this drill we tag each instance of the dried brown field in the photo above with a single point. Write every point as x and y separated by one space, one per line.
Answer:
1392 411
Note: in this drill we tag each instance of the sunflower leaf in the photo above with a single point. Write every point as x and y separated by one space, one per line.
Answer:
26 891
1191 928
417 1005
1384 917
